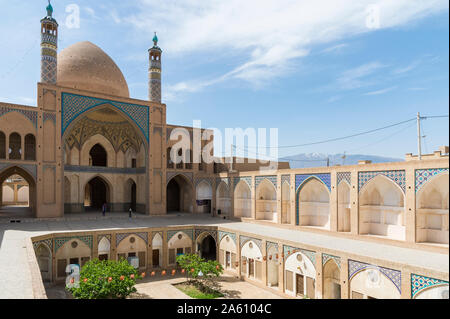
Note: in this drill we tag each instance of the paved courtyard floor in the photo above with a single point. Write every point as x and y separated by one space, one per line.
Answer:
159 287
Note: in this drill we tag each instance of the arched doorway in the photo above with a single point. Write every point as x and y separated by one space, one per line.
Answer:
331 280
223 200
17 193
206 246
130 195
179 195
96 193
98 156
44 259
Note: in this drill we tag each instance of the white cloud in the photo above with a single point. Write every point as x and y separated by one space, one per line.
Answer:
335 48
357 77
407 68
269 35
382 91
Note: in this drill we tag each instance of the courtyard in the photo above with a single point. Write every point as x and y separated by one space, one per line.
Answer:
159 287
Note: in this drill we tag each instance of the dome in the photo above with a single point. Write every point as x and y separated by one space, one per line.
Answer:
85 66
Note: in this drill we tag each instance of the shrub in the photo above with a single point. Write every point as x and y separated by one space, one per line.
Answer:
107 279
201 272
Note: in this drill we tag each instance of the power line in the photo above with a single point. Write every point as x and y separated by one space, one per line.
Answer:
349 136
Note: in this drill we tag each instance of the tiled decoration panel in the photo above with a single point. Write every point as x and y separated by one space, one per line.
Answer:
226 180
170 175
270 245
188 232
48 242
272 179
207 180
100 237
29 114
248 180
344 176
222 234
200 231
419 283
398 177
288 250
74 105
244 239
60 241
394 275
423 175
302 178
122 236
286 178
326 258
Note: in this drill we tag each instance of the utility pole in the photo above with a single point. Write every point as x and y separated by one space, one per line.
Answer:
419 138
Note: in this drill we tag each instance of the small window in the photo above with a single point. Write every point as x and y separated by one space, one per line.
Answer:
172 256
120 256
74 261
103 257
133 163
131 254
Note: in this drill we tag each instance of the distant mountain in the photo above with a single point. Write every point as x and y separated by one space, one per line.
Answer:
317 159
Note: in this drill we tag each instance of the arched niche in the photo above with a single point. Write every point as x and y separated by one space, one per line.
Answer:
180 243
381 209
133 246
223 200
242 200
85 156
314 204
370 283
104 248
432 210
73 251
228 253
206 246
157 247
300 275
204 197
266 201
331 280
251 260
44 259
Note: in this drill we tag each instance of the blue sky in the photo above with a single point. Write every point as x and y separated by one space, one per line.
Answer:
313 69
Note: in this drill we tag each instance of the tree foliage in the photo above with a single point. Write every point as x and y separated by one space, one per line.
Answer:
107 279
202 272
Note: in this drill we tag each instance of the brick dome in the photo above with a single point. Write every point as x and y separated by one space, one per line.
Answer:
85 66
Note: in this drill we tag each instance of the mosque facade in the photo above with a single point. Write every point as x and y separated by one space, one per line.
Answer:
88 143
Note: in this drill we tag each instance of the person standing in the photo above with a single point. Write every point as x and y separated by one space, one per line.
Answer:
104 209
129 212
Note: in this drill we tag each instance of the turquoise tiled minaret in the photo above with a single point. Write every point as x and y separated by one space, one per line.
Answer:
49 47
154 72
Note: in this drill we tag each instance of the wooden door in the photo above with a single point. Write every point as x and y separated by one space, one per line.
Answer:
155 258
300 284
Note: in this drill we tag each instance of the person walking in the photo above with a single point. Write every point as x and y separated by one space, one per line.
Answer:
104 209
129 212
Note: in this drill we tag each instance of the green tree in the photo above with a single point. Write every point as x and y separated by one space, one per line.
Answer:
107 279
203 273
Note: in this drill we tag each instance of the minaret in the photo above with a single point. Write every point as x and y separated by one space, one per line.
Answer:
49 46
154 72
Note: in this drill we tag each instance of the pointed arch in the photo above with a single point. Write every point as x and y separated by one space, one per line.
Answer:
242 200
381 207
223 200
266 201
29 178
313 204
432 210
331 280
180 194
